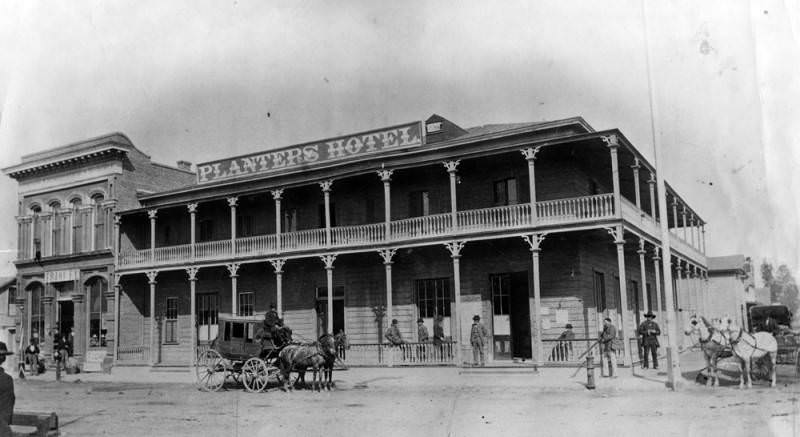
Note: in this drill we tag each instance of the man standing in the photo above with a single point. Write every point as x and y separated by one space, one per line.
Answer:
422 337
438 337
608 346
7 397
648 336
477 337
395 337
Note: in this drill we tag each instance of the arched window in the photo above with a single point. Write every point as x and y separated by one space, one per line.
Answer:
95 289
77 225
36 209
100 220
58 226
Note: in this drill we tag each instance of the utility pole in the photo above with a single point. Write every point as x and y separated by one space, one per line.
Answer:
674 380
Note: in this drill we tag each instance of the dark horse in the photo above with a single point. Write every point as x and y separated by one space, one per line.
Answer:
300 357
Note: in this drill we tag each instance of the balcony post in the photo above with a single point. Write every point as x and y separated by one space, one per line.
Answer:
452 168
703 238
117 223
277 195
535 242
192 207
691 228
192 273
387 255
232 202
233 269
277 264
151 279
613 145
328 261
683 221
117 287
386 178
455 252
637 189
706 295
530 156
675 215
656 260
652 183
645 296
326 191
617 233
152 214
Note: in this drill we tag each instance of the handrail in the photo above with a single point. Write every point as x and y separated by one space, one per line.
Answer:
572 209
358 234
256 244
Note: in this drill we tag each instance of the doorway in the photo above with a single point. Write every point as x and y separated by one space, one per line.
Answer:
511 317
66 316
322 310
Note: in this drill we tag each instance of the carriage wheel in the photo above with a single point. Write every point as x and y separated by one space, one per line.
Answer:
210 371
255 375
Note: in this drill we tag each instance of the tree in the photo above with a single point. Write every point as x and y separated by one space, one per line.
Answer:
782 285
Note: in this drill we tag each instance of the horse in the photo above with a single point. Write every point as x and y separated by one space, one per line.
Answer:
712 342
747 346
299 357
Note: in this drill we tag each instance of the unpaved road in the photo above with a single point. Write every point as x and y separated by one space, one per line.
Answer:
418 402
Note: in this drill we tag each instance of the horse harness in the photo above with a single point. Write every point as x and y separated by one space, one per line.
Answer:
741 338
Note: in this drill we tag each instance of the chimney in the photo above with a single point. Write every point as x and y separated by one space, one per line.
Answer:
185 165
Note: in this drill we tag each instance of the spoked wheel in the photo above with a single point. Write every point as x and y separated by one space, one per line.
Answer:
255 375
210 371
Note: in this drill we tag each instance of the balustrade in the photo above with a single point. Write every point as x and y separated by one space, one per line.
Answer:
136 354
420 227
212 249
358 234
306 239
407 354
576 209
256 245
503 217
172 254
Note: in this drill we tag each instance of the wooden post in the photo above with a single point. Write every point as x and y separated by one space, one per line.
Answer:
530 156
387 255
656 260
278 264
641 253
386 178
192 207
328 261
232 202
535 242
613 144
151 278
452 168
277 195
192 273
152 214
617 233
455 253
637 189
326 191
233 269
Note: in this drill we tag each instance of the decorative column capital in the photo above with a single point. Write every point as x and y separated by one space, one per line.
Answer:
683 210
328 261
387 255
534 241
616 235
674 202
117 277
192 272
455 248
151 213
385 174
530 152
451 166
277 194
233 201
636 166
657 253
151 276
652 179
192 207
277 264
641 250
233 269
117 220
326 185
611 141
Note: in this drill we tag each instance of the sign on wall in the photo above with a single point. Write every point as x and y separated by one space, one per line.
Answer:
351 146
62 276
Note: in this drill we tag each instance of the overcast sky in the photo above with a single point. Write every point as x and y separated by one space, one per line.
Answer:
195 80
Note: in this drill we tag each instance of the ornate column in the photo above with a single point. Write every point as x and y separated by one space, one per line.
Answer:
613 145
192 207
637 189
233 269
455 252
47 303
278 264
71 230
617 233
691 229
652 183
232 202
386 178
117 292
151 279
326 192
92 236
277 195
192 273
530 156
387 255
675 215
452 168
79 329
683 217
535 241
703 238
646 298
152 215
117 223
328 261
53 217
656 261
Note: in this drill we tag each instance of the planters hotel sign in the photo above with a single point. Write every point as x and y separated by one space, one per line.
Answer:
305 155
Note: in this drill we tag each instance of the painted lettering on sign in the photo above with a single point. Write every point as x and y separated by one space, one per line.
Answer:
309 154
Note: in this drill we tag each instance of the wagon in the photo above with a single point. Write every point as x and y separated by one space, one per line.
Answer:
236 355
787 339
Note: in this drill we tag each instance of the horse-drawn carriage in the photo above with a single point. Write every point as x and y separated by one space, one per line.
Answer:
777 320
237 354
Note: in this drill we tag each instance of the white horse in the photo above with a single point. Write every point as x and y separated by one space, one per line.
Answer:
712 342
748 346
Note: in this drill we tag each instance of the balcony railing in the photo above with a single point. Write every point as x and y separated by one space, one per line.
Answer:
133 354
474 221
408 354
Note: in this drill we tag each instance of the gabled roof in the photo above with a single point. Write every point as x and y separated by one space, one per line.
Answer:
726 263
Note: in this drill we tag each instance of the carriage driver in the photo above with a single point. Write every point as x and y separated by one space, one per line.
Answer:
267 332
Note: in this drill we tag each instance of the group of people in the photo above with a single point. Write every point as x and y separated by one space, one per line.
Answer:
34 363
478 338
647 336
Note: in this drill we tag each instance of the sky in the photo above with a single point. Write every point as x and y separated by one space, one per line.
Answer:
202 80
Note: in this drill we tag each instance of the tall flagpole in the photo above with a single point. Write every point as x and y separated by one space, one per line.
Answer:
673 365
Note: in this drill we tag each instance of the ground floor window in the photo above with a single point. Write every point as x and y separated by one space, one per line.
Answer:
171 321
96 289
246 303
600 291
37 312
433 297
207 311
323 313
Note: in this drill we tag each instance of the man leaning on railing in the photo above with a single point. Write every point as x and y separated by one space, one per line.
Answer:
395 337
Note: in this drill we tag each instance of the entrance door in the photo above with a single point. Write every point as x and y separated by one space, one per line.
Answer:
511 319
322 310
66 316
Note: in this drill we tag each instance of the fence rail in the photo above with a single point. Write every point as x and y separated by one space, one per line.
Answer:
576 208
139 354
212 249
419 227
358 234
306 239
407 354
256 245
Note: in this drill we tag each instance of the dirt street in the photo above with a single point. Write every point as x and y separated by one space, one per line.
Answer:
423 402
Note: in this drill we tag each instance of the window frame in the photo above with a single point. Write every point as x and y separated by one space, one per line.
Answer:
241 305
433 297
171 316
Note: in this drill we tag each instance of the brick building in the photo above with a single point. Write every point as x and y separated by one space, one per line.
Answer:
531 226
68 197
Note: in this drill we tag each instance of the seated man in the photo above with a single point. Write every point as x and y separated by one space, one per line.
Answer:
32 357
283 334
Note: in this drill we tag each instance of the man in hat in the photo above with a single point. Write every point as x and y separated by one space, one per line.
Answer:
438 337
422 337
648 337
395 337
7 397
563 349
477 336
608 346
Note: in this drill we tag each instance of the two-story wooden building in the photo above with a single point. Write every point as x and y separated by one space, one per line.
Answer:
531 226
68 197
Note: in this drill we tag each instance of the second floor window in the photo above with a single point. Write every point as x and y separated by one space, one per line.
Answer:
171 321
418 204
246 303
505 192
